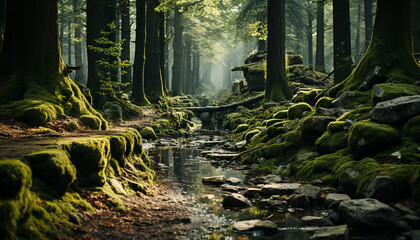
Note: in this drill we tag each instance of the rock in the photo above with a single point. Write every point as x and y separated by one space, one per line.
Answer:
412 235
280 114
332 200
312 192
412 220
241 128
333 112
298 110
215 180
349 180
387 91
233 180
273 203
350 99
148 133
367 138
331 233
384 189
73 218
250 225
397 109
299 201
268 179
117 187
221 156
230 188
205 117
403 210
315 221
236 200
368 213
240 144
113 111
280 188
313 127
252 192
329 215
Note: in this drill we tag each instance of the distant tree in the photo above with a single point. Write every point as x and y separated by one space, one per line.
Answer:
342 40
34 80
177 48
368 5
78 37
110 20
320 52
126 38
415 25
276 87
309 31
390 50
2 19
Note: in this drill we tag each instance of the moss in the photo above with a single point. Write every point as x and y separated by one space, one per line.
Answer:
71 126
91 121
367 138
353 99
298 110
251 134
241 128
412 128
356 114
312 127
306 96
36 112
90 158
41 130
325 102
415 185
331 142
54 168
112 111
388 91
276 130
264 168
148 133
118 148
338 126
281 114
270 122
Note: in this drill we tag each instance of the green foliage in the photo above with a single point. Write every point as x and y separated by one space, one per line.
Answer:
298 110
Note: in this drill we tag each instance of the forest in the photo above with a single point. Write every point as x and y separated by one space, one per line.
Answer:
210 119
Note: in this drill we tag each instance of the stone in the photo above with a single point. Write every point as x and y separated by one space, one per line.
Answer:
332 112
117 187
148 133
279 188
314 126
332 200
403 210
345 98
397 109
312 192
268 179
368 214
236 200
349 180
412 220
298 110
299 201
250 225
273 203
215 180
331 233
233 180
387 91
384 189
73 218
240 144
412 235
252 192
316 221
373 77
230 188
329 215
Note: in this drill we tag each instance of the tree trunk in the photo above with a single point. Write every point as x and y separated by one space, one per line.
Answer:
78 44
177 46
358 51
309 35
415 25
368 21
390 50
153 85
139 95
95 24
167 32
2 20
187 71
61 35
196 67
126 39
110 17
69 43
276 84
262 45
41 90
162 40
320 52
342 40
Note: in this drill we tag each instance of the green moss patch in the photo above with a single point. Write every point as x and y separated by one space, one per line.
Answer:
148 133
298 110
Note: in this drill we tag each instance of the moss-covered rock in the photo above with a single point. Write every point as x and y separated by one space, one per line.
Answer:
387 91
112 111
280 114
36 112
331 142
313 127
412 128
356 115
92 121
249 135
54 168
298 110
276 130
148 133
118 148
269 122
306 96
325 102
241 128
367 138
71 125
352 99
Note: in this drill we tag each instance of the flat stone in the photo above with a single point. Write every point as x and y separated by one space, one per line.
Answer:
384 189
299 201
397 109
250 225
331 233
280 188
233 180
312 192
240 144
272 204
116 185
215 180
251 192
333 199
230 188
221 156
368 213
412 220
330 215
316 221
403 210
236 200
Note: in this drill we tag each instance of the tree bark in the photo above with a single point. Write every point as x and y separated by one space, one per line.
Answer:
276 84
78 44
368 4
342 40
41 90
358 51
153 84
95 24
139 95
126 37
2 20
196 67
187 71
390 50
262 45
177 46
69 43
162 40
415 25
320 52
309 35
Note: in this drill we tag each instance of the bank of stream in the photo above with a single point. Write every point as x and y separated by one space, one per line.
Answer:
184 165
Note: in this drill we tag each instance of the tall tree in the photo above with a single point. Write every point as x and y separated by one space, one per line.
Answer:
358 51
138 93
320 52
309 32
162 49
415 25
69 43
368 5
342 40
153 84
42 90
2 19
126 38
390 50
95 24
177 46
78 32
110 20
276 87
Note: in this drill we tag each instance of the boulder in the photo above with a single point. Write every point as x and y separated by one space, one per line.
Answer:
412 220
314 126
279 188
316 221
368 214
273 203
250 225
252 192
350 99
148 133
403 210
397 109
331 233
299 201
230 188
268 179
236 200
387 91
298 110
332 112
329 215
348 181
233 181
215 180
280 114
311 191
384 189
332 200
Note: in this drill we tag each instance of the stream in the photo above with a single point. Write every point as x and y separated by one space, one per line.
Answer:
185 166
